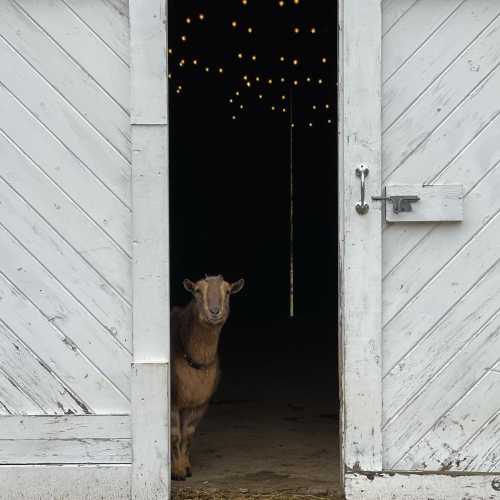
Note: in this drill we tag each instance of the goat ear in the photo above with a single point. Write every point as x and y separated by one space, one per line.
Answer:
237 286
188 285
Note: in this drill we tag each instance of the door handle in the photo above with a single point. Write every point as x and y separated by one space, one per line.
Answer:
362 207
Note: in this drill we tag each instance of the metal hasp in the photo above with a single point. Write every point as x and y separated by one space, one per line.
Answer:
399 203
362 207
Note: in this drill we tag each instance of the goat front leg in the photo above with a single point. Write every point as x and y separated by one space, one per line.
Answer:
178 465
190 418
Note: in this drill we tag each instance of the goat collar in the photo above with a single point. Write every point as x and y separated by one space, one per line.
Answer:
195 365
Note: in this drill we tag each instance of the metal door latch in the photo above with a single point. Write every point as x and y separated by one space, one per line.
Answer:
399 203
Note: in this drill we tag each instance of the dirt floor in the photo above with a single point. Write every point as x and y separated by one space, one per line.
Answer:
280 441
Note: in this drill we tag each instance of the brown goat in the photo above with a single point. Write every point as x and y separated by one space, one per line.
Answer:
195 332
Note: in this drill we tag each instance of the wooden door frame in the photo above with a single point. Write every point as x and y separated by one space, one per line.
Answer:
150 405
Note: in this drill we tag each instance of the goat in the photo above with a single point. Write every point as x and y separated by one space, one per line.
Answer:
195 333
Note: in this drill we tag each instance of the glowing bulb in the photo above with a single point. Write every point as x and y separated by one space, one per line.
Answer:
282 59
283 97
260 96
310 124
178 91
308 78
201 16
170 51
323 60
281 3
295 82
327 106
249 84
231 101
320 81
234 24
313 30
329 120
314 106
195 61
245 77
241 106
183 38
269 81
282 79
179 87
257 79
240 55
188 20
250 29
237 93
293 125
284 110
273 108
296 30
254 57
221 70
296 2
182 62
207 69
295 62
170 75
244 2
234 117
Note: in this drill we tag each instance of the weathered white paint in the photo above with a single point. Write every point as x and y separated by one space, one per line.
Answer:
64 482
419 487
151 294
437 203
360 245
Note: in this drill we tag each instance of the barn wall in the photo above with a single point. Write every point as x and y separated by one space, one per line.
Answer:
441 282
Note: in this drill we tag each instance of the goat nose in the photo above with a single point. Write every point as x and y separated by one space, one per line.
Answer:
215 310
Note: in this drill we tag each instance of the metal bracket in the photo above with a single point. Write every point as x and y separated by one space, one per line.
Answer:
362 207
399 203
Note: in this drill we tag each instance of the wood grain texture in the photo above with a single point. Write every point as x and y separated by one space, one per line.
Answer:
418 487
360 102
150 431
441 112
148 52
437 203
64 482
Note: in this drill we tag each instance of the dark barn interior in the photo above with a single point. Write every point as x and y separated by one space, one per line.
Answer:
254 195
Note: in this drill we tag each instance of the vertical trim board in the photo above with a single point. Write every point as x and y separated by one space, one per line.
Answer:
360 101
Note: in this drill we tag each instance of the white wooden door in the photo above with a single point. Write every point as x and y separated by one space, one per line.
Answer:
83 250
421 322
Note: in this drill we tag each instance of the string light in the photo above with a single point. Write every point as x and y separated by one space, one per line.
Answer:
240 55
260 96
207 69
282 59
170 51
273 108
201 16
308 78
221 70
182 62
245 77
188 20
323 60
270 81
284 110
249 84
241 106
327 106
234 24
234 117
254 57
296 30
231 100
314 106
320 81
184 38
282 79
250 29
244 2
237 92
295 82
295 62
313 30
195 62
296 2
281 3
283 97
257 79
310 124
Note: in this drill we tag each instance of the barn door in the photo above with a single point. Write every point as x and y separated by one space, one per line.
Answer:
83 250
421 263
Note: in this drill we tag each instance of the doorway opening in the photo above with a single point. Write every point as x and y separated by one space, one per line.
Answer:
253 180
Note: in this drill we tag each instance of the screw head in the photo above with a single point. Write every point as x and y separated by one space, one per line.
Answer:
495 484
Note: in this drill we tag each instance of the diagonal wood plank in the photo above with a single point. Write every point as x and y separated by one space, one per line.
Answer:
393 11
441 343
65 217
445 391
65 312
108 19
33 379
13 400
81 44
447 443
81 184
413 31
468 168
65 264
35 51
94 392
464 26
468 84
65 123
